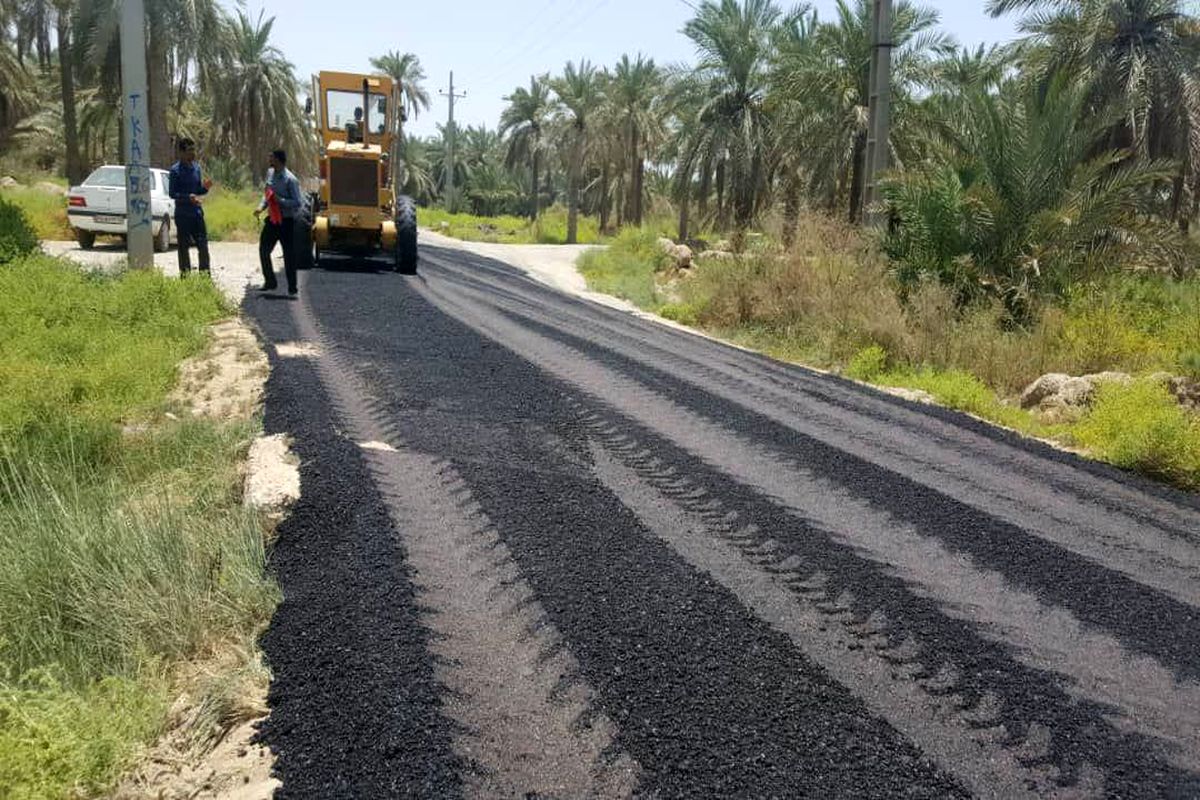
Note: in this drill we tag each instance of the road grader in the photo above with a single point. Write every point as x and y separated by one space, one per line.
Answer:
357 211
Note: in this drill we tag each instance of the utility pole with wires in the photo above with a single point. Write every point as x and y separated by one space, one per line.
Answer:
452 134
879 122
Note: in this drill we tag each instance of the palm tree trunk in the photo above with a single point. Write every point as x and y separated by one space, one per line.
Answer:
573 189
605 204
722 205
74 168
639 190
631 202
685 197
181 92
705 190
857 166
533 188
161 154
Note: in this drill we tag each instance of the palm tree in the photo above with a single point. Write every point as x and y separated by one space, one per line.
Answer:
1144 52
17 91
405 71
579 94
524 121
66 68
1031 204
180 33
256 95
416 176
411 98
820 84
634 90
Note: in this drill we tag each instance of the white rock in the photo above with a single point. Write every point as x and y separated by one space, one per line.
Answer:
272 475
8 182
1043 387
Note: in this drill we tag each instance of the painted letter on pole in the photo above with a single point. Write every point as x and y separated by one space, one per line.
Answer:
137 140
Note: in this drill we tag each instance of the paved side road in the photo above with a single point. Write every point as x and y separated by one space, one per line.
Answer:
548 549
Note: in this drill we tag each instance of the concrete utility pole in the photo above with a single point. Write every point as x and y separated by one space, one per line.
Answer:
879 123
139 245
452 133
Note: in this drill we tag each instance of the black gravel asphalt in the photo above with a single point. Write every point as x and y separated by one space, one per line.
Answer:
771 583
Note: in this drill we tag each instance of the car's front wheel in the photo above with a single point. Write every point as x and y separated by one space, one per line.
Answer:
163 240
86 239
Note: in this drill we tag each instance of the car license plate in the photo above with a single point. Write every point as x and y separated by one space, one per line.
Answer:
105 219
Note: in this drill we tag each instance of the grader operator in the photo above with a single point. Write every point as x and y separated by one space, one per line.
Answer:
358 212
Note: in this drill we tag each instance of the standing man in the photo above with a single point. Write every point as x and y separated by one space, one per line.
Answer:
187 186
283 190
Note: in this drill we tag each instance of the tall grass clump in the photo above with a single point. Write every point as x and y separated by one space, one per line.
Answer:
124 547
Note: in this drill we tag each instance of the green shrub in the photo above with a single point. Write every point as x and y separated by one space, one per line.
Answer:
627 268
45 211
17 237
59 742
868 363
1140 426
683 313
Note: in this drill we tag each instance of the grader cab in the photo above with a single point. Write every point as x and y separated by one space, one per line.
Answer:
357 212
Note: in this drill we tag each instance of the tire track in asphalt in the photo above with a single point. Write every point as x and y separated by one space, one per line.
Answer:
954 740
1019 489
707 698
867 529
527 726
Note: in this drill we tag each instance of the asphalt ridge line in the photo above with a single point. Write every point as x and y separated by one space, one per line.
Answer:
1158 558
529 726
1051 638
1044 454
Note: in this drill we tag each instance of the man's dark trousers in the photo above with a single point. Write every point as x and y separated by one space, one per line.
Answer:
191 232
284 234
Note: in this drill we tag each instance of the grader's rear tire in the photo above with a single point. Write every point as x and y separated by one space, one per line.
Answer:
406 236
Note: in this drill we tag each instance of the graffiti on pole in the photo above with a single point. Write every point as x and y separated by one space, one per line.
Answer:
137 169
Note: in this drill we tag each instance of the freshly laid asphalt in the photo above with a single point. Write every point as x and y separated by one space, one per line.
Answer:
749 579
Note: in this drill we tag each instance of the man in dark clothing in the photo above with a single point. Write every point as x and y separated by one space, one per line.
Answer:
186 186
283 200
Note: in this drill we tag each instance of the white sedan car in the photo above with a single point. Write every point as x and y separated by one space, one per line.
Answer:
98 206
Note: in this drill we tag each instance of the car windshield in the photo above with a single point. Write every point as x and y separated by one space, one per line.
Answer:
106 176
340 108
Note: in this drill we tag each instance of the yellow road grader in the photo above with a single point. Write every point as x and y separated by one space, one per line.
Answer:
357 211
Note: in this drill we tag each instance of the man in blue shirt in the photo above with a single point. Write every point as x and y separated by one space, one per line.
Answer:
283 189
186 187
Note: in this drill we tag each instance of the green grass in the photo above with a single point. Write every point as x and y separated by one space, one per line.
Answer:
1140 427
122 552
550 228
47 212
229 215
57 741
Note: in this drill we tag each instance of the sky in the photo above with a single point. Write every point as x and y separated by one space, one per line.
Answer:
494 46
